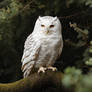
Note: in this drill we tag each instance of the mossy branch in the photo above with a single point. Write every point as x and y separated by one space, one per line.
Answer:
50 81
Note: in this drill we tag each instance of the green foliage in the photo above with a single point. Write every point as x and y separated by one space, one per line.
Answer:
79 2
74 78
7 37
11 10
88 58
82 35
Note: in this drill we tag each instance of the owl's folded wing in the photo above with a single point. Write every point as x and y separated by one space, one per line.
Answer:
30 54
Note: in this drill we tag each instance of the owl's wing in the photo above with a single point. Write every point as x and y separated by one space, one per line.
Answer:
31 52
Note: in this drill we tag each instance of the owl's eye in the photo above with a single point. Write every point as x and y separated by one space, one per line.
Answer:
51 26
42 25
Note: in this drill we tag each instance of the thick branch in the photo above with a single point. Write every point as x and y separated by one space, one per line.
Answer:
36 82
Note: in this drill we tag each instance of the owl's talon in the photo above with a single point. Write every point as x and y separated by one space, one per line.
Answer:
52 68
42 69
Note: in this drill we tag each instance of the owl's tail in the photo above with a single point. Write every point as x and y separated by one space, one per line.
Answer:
26 68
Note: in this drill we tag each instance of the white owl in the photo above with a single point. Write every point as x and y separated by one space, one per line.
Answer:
43 46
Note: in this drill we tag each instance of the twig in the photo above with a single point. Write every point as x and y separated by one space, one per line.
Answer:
74 25
26 6
73 15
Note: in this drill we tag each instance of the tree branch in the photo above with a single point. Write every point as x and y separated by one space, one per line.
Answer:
50 81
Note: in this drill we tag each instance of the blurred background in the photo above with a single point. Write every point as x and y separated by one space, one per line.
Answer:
17 19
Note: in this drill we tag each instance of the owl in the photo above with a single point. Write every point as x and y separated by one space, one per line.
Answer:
43 46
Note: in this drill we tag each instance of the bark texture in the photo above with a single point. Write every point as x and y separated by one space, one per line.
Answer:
48 82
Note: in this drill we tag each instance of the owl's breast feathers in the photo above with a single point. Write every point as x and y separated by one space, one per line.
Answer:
38 50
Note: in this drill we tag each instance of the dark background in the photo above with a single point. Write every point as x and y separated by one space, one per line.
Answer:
17 19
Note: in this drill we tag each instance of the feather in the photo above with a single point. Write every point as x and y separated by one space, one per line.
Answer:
30 54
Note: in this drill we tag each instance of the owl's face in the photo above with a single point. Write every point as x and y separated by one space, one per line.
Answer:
48 25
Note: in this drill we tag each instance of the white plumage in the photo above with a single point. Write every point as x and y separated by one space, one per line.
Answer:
43 46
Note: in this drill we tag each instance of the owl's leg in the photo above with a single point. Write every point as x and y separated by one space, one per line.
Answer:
52 68
42 69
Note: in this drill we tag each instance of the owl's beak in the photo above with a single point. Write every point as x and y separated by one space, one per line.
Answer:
47 32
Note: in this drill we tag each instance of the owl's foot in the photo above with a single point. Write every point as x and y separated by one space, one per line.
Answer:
42 69
52 68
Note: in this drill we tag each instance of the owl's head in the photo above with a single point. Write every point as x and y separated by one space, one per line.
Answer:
48 25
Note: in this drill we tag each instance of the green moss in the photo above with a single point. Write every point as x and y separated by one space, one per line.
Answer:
35 82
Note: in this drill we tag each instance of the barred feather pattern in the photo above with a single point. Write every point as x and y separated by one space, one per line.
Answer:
31 50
